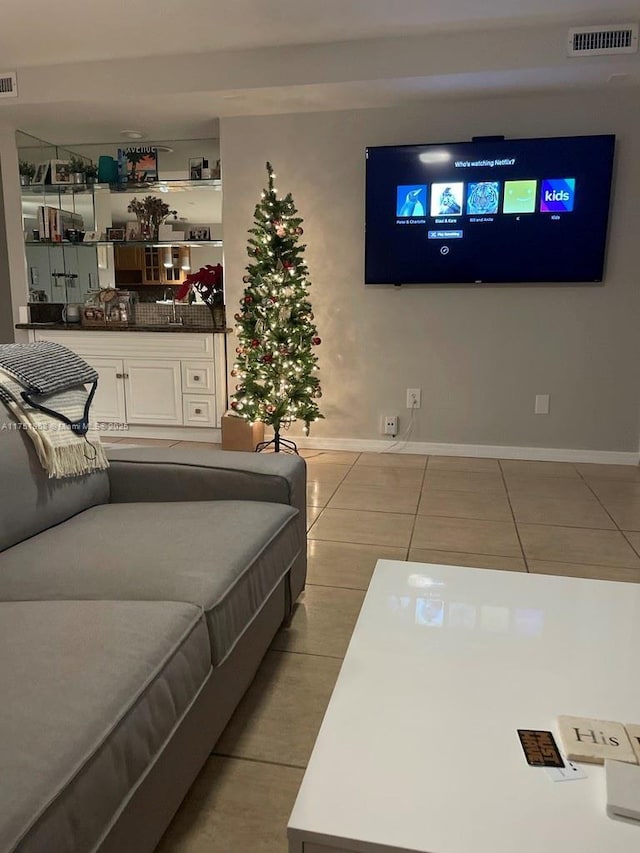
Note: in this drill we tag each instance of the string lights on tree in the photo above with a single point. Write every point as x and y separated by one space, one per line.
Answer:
276 363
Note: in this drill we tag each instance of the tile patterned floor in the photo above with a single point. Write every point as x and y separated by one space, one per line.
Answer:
550 517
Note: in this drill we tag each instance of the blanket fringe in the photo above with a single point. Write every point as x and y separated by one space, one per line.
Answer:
77 459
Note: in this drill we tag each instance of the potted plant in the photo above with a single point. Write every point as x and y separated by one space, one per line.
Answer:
91 173
77 169
151 212
208 282
27 171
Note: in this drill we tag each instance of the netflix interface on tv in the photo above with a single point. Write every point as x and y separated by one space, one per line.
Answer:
488 211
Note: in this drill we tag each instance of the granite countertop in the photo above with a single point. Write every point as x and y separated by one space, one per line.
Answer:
76 327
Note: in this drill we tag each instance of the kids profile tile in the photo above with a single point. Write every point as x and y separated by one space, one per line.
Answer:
557 195
519 197
446 199
411 200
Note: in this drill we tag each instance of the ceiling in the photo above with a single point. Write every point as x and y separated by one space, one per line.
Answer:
171 69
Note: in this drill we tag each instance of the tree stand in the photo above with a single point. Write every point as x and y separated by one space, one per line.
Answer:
279 444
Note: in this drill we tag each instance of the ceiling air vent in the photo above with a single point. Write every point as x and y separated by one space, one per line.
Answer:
608 39
8 84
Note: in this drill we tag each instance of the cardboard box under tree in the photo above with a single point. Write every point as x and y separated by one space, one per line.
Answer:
238 434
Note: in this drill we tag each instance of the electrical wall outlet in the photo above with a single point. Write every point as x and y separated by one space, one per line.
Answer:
414 398
390 425
542 404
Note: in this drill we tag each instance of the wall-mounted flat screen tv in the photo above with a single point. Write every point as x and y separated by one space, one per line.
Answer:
492 210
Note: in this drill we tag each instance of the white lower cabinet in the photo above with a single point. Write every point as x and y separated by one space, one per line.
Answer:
109 402
153 391
154 379
137 391
198 410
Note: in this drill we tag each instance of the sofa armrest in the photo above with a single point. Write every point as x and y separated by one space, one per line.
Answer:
143 474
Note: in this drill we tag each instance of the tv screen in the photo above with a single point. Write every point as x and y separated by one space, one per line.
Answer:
492 210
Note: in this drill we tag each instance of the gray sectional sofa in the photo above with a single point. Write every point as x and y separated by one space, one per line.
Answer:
135 607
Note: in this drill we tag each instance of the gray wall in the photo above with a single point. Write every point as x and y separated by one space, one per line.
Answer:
479 355
6 318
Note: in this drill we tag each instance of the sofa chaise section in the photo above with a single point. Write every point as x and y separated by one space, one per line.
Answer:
92 692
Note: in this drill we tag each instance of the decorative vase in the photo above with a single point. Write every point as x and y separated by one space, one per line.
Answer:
77 178
218 316
147 228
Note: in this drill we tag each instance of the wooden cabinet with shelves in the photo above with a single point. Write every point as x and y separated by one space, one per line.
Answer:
151 264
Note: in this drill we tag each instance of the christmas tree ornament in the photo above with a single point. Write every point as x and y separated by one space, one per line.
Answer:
276 335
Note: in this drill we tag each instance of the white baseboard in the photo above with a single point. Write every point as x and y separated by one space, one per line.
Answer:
425 448
539 454
208 434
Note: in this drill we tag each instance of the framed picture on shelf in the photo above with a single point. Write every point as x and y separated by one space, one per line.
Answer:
138 164
132 230
199 232
92 236
195 168
60 172
42 170
115 234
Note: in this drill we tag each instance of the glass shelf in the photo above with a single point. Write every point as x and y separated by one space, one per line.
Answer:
172 185
60 189
215 244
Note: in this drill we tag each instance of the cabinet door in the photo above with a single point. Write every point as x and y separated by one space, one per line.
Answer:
58 274
153 391
39 272
87 270
109 403
128 264
180 265
72 273
151 266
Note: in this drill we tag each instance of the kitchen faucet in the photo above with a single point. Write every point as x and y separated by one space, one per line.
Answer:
172 319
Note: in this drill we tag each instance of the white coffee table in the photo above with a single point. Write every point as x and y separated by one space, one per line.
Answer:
418 750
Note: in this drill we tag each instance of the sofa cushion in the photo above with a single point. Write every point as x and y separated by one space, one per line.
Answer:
91 692
29 500
225 556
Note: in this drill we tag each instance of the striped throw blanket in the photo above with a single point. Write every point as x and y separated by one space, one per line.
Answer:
51 406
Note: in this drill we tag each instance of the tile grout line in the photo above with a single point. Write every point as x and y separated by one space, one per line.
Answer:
308 654
257 760
513 516
415 515
595 495
618 528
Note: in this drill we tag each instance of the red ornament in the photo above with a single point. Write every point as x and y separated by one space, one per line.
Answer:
234 404
299 231
239 350
248 300
287 265
283 350
246 279
316 341
255 343
267 358
271 409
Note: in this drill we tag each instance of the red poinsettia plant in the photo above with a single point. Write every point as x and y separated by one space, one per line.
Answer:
207 281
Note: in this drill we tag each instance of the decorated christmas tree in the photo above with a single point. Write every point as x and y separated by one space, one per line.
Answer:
276 366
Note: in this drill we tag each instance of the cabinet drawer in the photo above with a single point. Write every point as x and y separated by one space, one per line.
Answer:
199 410
197 377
